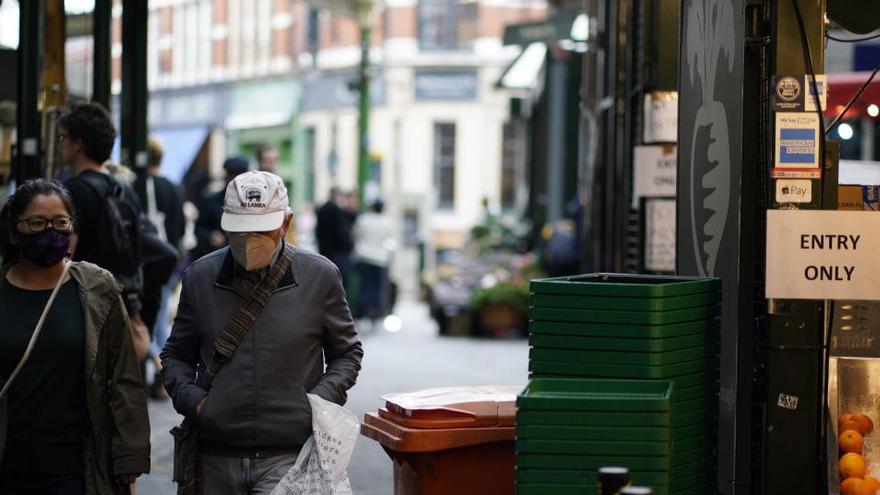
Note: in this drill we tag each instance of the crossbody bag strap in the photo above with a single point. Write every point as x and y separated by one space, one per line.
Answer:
244 318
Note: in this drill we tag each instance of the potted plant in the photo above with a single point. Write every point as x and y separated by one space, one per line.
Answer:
503 307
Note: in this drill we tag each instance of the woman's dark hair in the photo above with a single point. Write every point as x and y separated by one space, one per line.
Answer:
91 123
18 203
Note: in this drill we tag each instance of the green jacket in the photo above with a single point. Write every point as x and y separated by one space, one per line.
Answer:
120 427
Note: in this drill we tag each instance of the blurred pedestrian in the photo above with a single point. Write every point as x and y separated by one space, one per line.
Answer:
75 418
373 244
333 232
267 158
164 198
108 210
209 234
281 317
306 222
165 210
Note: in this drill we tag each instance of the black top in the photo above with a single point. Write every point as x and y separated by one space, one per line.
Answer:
333 230
210 215
48 415
169 201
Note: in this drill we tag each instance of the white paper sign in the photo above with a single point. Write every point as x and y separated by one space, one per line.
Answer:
654 170
815 254
661 117
660 235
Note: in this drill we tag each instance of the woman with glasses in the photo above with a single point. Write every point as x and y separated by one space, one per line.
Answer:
74 417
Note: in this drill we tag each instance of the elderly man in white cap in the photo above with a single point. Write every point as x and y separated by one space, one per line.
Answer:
260 324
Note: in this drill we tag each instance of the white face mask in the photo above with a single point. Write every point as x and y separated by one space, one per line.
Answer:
252 251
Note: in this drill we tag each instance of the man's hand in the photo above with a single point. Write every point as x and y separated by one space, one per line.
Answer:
126 479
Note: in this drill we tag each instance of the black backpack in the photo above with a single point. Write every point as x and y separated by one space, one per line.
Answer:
118 247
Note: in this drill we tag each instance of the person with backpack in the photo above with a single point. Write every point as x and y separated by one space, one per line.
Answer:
73 416
108 210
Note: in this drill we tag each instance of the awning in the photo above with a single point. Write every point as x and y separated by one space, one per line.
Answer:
264 103
523 72
842 87
182 145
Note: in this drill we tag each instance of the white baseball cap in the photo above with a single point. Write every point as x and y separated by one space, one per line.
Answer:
255 202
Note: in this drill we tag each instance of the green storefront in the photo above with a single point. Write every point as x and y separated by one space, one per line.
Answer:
266 111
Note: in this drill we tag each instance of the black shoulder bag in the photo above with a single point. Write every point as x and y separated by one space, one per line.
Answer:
186 444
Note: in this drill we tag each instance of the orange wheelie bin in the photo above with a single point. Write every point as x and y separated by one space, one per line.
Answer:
455 440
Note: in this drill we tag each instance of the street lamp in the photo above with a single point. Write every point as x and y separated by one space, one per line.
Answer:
363 11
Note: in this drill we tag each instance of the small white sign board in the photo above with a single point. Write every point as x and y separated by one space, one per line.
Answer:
655 169
823 254
660 235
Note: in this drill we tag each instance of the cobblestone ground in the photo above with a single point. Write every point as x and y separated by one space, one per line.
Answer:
411 359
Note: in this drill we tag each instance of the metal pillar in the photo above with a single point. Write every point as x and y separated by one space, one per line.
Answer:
363 170
102 29
713 229
134 95
26 164
557 96
791 347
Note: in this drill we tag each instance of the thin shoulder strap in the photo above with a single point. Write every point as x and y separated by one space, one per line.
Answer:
244 318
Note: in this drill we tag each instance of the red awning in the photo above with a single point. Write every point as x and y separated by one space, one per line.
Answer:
842 87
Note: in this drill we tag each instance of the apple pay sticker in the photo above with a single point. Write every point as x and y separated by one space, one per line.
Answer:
794 191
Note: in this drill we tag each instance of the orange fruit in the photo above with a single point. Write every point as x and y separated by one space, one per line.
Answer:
865 424
851 441
850 424
873 484
851 465
855 486
843 419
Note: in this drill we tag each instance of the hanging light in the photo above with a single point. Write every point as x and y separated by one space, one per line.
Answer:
873 110
845 131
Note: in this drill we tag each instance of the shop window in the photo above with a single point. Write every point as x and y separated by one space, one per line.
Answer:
447 24
444 164
511 155
220 12
165 61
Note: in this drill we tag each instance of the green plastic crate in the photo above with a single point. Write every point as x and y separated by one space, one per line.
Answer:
621 344
602 432
607 448
594 462
624 303
597 395
618 419
689 473
624 285
549 326
594 370
624 358
625 317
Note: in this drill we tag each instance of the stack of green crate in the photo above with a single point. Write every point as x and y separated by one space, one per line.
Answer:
646 328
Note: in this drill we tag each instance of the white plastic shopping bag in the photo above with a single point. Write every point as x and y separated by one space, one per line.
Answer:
320 468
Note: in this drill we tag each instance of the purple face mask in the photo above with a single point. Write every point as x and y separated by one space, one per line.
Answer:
44 248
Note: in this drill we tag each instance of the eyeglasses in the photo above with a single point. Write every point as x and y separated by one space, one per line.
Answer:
39 224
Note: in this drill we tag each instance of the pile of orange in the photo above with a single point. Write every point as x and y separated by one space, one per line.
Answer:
854 474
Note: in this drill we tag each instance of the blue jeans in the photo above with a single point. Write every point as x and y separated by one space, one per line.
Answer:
243 476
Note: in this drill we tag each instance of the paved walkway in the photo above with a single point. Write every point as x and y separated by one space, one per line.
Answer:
411 359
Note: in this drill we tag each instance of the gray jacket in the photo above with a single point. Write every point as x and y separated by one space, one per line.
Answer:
258 400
